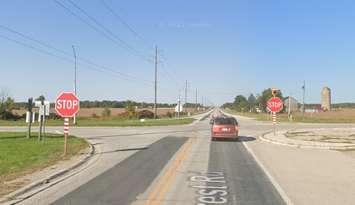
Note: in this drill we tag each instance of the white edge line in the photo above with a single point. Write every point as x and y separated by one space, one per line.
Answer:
277 186
271 178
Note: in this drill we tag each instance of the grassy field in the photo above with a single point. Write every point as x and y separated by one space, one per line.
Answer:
89 112
338 116
19 155
109 122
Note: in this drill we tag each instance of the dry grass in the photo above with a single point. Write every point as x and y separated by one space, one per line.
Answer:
336 116
89 112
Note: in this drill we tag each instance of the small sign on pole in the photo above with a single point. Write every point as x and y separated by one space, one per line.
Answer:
275 105
66 106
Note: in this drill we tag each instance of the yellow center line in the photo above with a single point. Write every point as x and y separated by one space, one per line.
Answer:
157 195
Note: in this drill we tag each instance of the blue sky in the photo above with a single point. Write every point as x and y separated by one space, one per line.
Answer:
223 48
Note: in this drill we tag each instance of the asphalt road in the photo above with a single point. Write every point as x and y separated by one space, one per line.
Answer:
122 183
180 163
247 183
131 162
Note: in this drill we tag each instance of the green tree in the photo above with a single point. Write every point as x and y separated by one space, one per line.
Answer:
7 105
40 98
106 112
130 109
252 103
240 103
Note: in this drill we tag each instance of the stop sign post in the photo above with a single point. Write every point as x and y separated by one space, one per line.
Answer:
66 106
275 105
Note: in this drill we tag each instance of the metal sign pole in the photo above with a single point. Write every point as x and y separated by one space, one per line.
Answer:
66 132
30 105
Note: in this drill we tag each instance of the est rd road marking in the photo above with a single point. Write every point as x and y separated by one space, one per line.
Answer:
157 194
211 188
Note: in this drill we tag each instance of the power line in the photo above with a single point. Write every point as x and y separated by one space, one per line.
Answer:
89 62
115 14
128 26
66 59
108 34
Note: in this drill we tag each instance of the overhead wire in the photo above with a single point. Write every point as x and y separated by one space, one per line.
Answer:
68 58
115 14
102 30
128 26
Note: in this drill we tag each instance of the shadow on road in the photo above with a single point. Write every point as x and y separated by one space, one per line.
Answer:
239 139
246 139
123 150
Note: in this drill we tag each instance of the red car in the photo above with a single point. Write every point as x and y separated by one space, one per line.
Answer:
224 128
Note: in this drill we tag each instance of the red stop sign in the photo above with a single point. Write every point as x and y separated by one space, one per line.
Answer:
275 104
67 104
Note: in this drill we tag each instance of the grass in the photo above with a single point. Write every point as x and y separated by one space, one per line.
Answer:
109 122
19 155
338 116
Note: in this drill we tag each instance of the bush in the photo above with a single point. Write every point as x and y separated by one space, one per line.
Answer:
6 115
54 116
170 114
106 112
145 114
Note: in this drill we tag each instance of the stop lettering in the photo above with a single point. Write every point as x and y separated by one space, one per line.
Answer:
67 104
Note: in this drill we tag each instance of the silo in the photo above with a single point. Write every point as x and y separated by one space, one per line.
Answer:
326 99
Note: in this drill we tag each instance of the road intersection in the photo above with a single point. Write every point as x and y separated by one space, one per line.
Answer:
181 165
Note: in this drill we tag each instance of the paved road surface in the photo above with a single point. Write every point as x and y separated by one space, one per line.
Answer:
206 173
123 172
122 183
247 183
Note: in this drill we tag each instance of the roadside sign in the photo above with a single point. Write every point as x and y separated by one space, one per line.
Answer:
179 108
44 110
67 104
275 105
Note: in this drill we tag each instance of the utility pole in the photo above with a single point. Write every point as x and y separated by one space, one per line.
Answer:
75 70
196 100
155 82
179 105
304 95
289 107
186 96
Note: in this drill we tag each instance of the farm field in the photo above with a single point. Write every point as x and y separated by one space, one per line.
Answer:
336 116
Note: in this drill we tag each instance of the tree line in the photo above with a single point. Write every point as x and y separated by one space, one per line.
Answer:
253 103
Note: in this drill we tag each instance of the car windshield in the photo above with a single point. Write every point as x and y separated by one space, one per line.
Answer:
225 121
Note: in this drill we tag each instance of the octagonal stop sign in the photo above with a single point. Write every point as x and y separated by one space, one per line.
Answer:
67 104
275 105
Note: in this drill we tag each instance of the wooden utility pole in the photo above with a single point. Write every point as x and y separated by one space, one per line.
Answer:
75 70
186 96
179 105
196 100
155 82
304 95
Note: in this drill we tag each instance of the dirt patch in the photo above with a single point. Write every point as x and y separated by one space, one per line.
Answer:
329 136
